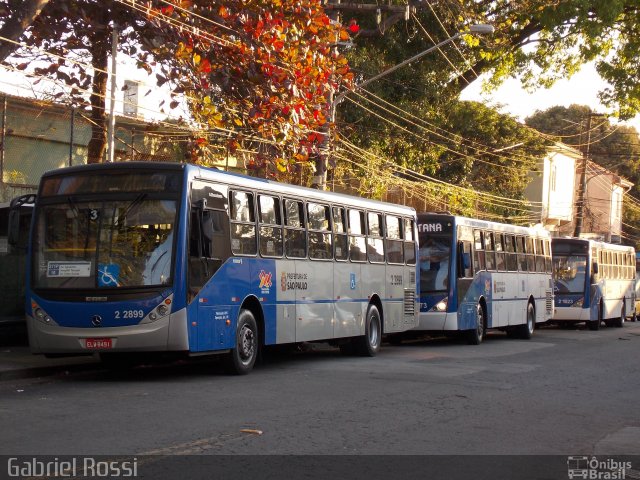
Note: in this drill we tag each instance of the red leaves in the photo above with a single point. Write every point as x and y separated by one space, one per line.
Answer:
266 67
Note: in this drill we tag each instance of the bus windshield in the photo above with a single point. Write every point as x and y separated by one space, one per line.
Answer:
569 273
104 244
435 251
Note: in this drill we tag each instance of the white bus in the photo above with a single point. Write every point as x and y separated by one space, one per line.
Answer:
140 257
476 275
594 282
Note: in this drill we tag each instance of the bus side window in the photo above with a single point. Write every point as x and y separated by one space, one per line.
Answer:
510 247
208 246
357 243
531 257
341 241
243 227
464 260
409 242
540 267
320 244
547 256
393 240
500 261
478 245
489 246
520 252
295 233
270 222
375 242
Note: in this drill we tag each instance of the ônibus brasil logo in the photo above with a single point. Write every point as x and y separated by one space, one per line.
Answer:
592 468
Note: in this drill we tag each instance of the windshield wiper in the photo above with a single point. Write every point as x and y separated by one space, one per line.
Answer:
136 201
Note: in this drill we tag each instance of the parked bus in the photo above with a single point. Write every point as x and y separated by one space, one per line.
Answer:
139 257
13 257
476 275
594 281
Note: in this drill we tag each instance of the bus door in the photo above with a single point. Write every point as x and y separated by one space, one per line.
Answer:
208 249
312 279
346 279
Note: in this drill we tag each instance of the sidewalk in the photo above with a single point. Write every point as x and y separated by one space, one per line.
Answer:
17 361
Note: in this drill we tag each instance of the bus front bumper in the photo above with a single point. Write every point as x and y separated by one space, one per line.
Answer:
571 314
165 334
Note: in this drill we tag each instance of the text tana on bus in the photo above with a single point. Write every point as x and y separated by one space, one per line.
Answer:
139 257
476 275
594 282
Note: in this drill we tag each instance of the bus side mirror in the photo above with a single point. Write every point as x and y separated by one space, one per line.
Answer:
14 227
595 268
13 233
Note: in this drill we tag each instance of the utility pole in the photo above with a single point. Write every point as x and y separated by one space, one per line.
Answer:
386 16
582 192
111 130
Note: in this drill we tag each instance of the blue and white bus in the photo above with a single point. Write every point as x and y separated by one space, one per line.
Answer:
476 275
139 257
594 282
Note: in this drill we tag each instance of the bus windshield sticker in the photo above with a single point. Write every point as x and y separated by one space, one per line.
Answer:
68 269
108 275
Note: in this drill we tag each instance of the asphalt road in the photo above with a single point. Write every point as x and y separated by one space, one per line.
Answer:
565 392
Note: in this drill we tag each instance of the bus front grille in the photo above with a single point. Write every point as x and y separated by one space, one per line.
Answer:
409 302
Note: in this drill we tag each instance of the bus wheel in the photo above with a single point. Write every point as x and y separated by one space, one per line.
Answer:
619 322
595 324
475 336
368 345
526 329
240 360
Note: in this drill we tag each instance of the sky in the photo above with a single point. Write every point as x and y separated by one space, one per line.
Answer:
511 98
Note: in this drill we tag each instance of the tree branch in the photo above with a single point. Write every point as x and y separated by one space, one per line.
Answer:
15 26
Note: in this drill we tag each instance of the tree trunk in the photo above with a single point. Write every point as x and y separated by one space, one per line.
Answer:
15 26
99 49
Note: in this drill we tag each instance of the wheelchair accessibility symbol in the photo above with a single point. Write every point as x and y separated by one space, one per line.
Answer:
108 275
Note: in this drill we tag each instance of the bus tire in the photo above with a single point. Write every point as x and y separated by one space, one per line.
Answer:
476 335
368 345
525 330
619 322
240 360
595 324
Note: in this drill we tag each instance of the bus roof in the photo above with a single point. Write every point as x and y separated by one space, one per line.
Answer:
239 180
591 243
485 224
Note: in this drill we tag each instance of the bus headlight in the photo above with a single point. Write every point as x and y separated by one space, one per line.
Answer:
41 315
162 310
579 303
441 306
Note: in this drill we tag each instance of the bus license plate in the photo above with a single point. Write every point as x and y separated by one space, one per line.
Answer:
100 343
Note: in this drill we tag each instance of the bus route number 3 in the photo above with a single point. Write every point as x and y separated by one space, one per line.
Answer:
129 314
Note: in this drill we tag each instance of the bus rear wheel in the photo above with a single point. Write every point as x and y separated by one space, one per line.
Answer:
368 345
525 330
240 360
476 336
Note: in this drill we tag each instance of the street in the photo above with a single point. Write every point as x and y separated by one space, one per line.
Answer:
565 392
